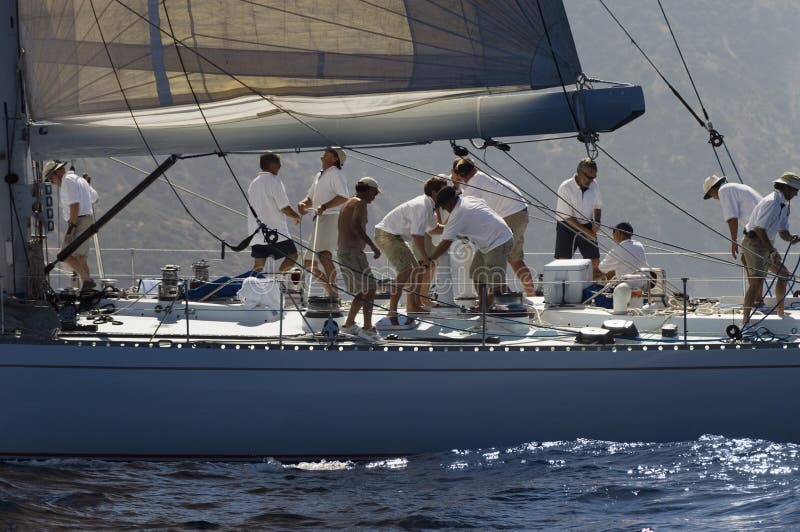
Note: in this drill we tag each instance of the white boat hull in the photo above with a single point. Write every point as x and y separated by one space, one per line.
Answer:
233 403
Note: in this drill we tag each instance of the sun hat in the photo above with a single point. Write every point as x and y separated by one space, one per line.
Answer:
52 166
711 182
340 154
369 182
789 178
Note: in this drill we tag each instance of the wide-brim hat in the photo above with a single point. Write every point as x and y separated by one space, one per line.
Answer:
52 166
711 182
789 178
369 182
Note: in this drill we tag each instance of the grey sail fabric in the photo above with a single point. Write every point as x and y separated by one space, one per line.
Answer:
282 48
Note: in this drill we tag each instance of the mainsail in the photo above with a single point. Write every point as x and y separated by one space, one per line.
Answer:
272 68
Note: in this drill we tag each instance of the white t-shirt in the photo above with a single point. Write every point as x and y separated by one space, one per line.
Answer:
500 195
75 189
770 214
572 201
267 195
414 217
623 258
473 219
326 186
737 201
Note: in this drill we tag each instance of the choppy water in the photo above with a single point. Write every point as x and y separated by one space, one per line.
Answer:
713 483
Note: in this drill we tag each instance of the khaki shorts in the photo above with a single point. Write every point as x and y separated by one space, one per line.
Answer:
429 247
518 223
757 257
327 233
355 270
490 268
84 222
395 248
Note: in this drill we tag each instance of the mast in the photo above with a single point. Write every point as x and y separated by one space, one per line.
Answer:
15 190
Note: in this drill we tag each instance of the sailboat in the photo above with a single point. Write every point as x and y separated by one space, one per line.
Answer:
156 375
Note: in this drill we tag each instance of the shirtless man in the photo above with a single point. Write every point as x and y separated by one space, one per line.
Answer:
356 272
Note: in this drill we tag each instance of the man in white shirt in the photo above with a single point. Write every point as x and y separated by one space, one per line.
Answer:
737 202
267 196
76 197
578 215
770 217
416 218
472 218
325 196
626 256
506 200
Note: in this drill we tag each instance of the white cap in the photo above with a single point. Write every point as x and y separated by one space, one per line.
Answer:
369 182
789 178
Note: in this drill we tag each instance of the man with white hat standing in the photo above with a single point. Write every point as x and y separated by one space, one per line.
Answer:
737 202
769 217
76 197
325 197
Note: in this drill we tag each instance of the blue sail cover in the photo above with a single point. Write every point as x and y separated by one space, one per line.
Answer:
321 48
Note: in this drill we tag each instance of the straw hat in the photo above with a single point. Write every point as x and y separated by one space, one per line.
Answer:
52 166
789 178
711 182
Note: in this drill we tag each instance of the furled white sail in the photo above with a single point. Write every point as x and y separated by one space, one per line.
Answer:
289 73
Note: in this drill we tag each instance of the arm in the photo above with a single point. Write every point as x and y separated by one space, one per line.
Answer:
74 210
330 204
596 224
359 223
785 235
575 224
733 225
441 249
419 243
288 211
303 205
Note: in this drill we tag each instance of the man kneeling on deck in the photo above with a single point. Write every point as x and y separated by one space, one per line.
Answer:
356 272
769 217
473 219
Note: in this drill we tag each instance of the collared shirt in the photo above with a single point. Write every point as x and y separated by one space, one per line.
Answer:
473 219
770 214
624 258
500 195
326 186
737 201
572 201
75 189
267 195
414 217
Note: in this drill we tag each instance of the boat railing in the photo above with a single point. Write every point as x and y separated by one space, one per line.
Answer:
128 265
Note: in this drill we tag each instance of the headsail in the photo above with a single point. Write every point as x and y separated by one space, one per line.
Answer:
356 57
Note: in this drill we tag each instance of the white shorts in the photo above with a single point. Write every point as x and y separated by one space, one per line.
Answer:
327 233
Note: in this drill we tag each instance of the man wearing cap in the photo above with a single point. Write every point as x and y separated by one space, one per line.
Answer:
737 202
506 200
472 218
267 196
578 215
325 197
769 217
627 256
357 275
414 218
76 197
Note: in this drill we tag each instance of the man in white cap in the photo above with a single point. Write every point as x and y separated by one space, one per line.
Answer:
76 197
769 217
737 202
325 197
358 278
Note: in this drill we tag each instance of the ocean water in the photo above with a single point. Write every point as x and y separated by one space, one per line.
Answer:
712 483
